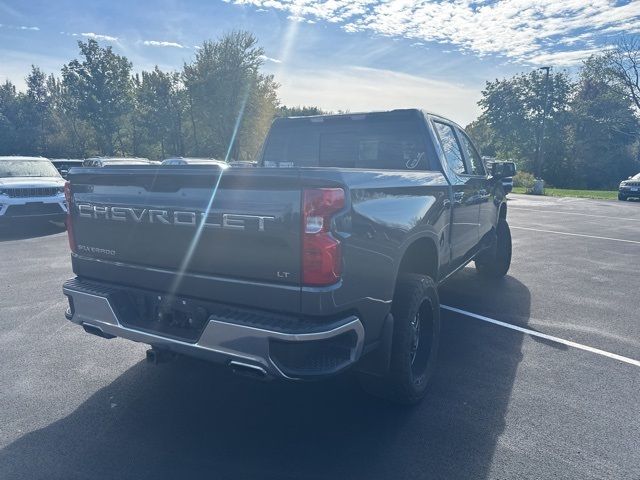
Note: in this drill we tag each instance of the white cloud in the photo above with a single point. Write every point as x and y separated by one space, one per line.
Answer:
568 58
365 89
270 59
96 36
21 27
520 30
157 43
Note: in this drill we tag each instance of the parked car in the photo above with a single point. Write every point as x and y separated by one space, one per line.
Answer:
63 165
326 256
193 161
111 161
629 188
30 188
242 164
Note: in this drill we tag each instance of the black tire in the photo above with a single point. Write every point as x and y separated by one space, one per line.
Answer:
495 261
416 336
622 197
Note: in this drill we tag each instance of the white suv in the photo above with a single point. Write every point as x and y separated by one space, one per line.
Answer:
30 187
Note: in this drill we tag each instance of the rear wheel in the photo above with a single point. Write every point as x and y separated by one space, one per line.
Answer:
416 335
495 261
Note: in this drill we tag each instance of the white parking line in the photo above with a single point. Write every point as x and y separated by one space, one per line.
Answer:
576 213
551 338
576 234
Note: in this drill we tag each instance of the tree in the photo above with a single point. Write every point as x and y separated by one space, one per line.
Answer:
513 109
36 110
624 65
160 106
9 115
230 103
298 111
101 89
604 128
483 136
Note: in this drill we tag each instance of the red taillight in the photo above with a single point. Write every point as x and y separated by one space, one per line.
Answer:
321 253
68 222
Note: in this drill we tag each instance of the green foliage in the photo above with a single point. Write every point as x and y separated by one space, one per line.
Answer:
482 136
159 111
298 111
563 192
524 179
101 85
219 105
591 136
513 109
230 103
604 130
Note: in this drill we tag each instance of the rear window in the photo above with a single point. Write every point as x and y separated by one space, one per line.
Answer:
348 142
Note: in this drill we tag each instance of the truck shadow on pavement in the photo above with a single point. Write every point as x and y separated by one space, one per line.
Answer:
24 230
189 419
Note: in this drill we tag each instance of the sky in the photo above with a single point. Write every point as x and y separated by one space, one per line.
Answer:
353 55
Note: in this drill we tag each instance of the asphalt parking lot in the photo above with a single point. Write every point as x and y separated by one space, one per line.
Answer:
505 404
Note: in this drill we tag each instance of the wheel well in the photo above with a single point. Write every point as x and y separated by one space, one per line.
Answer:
421 257
503 211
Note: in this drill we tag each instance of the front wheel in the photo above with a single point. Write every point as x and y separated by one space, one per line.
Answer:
622 197
495 261
416 335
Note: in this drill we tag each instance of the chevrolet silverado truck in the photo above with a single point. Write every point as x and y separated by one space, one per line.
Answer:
325 256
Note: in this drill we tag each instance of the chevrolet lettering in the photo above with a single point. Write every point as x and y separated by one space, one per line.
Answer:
173 217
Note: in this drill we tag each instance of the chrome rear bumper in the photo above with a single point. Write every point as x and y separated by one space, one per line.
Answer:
280 354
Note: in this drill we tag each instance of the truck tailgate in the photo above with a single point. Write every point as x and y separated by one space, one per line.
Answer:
241 224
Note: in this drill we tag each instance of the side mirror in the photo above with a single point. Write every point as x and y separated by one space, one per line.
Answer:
503 169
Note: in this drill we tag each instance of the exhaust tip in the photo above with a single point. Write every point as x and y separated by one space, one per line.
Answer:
97 331
248 370
156 356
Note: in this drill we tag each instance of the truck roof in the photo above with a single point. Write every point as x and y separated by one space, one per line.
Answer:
399 113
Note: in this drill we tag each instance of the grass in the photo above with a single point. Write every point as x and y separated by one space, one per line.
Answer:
561 192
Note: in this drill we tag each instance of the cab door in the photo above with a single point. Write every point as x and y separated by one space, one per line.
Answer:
482 185
463 203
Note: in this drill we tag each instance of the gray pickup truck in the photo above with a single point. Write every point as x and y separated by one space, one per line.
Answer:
324 256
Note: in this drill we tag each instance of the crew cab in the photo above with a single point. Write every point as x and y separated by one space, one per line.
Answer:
30 189
325 256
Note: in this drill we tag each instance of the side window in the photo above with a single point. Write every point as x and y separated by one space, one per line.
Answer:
477 166
450 146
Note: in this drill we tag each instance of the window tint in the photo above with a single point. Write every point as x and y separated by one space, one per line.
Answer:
376 142
450 146
477 167
367 149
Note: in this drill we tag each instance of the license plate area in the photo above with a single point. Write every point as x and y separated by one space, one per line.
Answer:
33 207
175 317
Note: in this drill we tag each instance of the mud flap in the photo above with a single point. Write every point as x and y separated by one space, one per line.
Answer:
376 362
